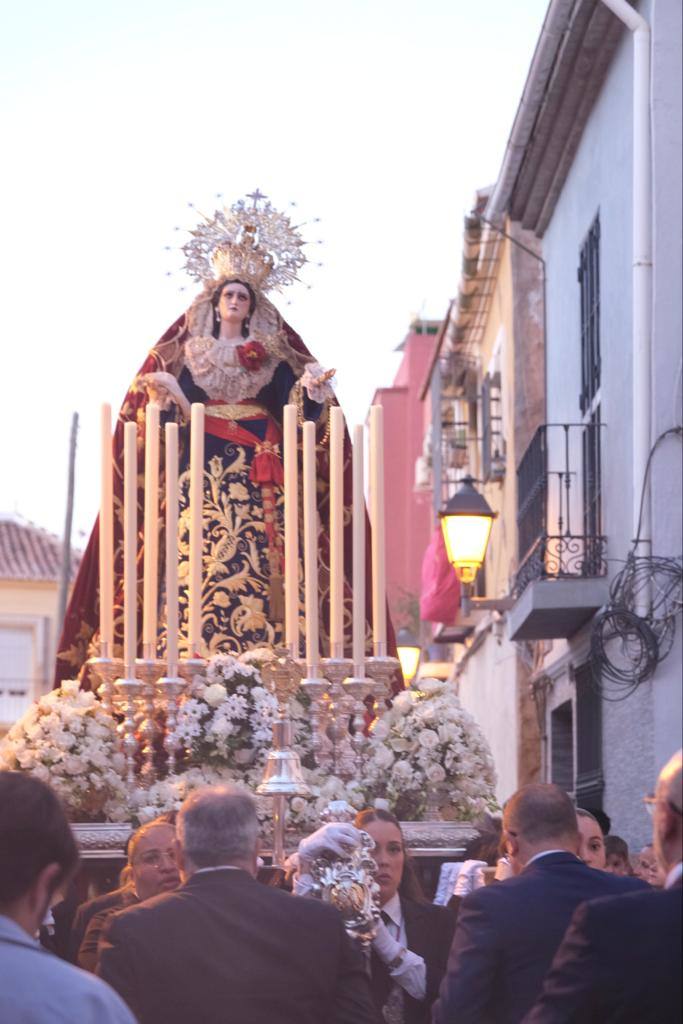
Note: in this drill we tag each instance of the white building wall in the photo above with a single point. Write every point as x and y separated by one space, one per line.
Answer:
641 731
488 690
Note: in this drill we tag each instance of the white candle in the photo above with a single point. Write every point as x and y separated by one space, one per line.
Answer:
291 530
151 535
358 554
130 547
106 538
336 532
379 609
194 618
171 431
311 551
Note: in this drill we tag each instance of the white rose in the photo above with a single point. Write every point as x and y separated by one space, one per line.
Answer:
215 694
380 729
383 757
298 805
74 764
403 702
402 771
431 686
400 745
435 773
429 739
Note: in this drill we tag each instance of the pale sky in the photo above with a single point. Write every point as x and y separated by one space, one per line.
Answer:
380 117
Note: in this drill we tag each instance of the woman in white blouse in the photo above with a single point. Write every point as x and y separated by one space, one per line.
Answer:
410 950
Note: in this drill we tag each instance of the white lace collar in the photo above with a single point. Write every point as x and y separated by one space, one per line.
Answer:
216 369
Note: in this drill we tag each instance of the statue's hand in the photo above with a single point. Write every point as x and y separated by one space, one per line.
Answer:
316 381
164 389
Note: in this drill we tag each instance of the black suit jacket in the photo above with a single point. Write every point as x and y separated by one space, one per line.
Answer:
507 934
115 900
619 962
429 933
223 949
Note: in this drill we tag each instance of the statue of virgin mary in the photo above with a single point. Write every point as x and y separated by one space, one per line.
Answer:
232 351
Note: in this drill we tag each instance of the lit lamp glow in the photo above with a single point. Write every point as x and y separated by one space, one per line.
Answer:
466 522
409 652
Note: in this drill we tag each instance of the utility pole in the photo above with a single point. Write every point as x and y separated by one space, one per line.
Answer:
65 567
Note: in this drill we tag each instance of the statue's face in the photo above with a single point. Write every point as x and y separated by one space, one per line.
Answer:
233 304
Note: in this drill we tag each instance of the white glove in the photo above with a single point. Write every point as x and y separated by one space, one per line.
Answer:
469 878
385 946
503 869
337 837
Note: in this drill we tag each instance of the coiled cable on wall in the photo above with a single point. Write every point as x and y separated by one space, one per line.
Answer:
626 645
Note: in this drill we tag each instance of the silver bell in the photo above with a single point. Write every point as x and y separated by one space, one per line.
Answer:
282 775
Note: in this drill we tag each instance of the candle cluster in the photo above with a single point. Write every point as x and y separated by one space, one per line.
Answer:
336 534
291 539
150 539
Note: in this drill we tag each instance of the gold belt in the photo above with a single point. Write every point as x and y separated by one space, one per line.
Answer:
235 412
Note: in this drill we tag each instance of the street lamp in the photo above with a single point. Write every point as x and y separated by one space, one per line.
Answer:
466 522
409 651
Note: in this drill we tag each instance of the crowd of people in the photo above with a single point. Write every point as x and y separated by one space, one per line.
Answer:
547 921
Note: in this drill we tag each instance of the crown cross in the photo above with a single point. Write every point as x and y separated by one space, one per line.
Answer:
256 196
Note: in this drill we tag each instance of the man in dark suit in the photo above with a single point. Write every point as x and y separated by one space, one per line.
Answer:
507 933
223 948
620 961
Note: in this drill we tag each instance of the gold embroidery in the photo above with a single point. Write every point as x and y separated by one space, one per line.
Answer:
235 412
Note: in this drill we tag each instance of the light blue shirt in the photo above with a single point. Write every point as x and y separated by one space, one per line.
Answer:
37 987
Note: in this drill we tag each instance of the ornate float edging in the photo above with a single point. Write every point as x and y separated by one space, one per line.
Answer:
423 838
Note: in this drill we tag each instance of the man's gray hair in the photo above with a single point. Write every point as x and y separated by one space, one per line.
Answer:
218 825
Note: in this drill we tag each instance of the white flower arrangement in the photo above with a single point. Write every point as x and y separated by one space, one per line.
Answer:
66 738
428 753
227 719
425 754
168 794
228 716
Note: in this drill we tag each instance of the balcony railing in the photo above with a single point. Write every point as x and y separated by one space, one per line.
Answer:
558 505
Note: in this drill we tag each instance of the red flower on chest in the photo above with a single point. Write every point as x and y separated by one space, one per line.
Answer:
252 356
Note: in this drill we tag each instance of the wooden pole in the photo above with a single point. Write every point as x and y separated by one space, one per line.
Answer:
65 566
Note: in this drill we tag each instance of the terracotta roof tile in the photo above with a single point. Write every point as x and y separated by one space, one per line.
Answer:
28 552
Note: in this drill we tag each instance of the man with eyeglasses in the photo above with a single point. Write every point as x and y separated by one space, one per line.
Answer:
152 870
620 961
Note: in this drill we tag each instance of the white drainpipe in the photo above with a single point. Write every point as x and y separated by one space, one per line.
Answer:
642 262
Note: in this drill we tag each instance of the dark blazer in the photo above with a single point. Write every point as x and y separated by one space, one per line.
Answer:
507 934
223 949
429 933
117 899
88 950
620 962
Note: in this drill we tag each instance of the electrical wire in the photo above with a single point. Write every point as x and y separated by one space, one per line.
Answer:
626 645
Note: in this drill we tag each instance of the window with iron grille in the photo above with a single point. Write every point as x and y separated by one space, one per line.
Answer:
589 280
590 782
562 747
592 491
492 445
